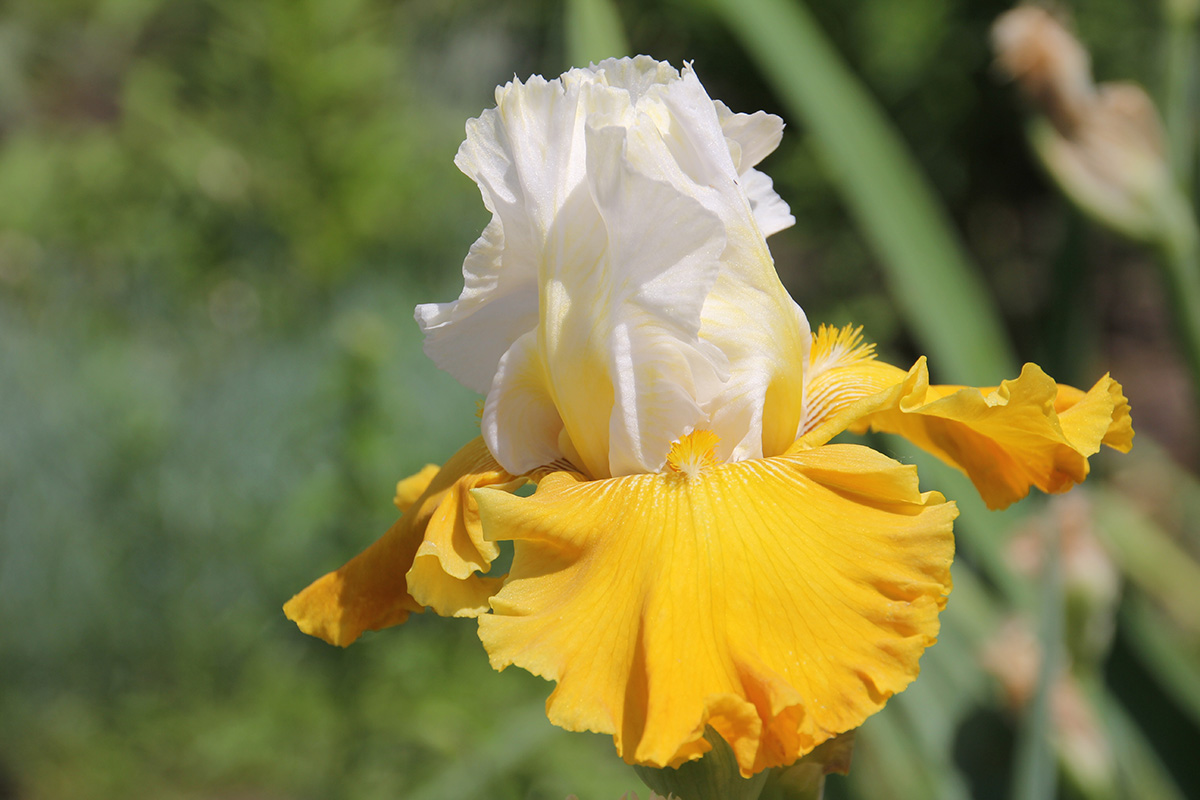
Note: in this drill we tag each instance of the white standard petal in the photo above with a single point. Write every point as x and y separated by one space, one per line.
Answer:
623 293
770 211
748 315
624 270
637 75
497 306
527 156
663 250
751 137
520 424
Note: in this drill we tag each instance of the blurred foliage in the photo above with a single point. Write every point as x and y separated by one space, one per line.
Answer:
215 219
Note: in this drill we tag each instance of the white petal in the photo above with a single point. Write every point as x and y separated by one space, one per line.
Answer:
663 248
636 75
498 304
766 337
756 135
623 294
527 157
770 211
520 423
527 153
692 133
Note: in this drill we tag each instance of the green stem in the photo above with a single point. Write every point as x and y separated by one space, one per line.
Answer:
1180 89
800 782
713 777
1180 260
1037 766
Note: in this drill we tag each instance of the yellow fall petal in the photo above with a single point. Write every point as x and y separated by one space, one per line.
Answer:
1010 438
447 569
410 489
364 594
1025 432
1099 416
428 558
780 600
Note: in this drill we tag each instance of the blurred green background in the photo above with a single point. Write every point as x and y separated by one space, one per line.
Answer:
215 220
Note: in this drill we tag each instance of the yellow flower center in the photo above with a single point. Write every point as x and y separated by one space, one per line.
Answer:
693 453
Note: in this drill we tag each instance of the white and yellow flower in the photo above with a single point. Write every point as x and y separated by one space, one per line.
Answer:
696 553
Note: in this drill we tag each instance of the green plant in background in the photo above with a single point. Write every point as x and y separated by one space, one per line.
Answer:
211 214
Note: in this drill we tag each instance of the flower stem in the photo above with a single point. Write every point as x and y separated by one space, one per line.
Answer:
1036 776
1180 89
1179 249
713 777
1179 255
800 782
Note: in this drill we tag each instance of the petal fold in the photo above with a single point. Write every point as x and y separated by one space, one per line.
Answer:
430 557
780 600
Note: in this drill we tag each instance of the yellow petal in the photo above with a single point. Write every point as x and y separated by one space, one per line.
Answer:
1025 432
842 372
1101 416
447 569
781 600
410 489
439 529
366 594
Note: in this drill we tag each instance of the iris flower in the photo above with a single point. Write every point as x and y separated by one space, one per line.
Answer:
697 552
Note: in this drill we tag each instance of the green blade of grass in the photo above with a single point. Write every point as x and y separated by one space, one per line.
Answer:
941 297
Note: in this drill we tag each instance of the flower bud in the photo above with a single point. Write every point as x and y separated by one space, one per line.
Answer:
1104 145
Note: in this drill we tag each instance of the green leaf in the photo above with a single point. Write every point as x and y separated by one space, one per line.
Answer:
594 32
1172 658
1148 556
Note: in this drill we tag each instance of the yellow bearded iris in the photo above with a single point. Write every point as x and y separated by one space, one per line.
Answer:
696 553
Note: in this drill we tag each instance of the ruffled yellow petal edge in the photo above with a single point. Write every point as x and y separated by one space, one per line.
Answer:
781 601
1023 433
433 556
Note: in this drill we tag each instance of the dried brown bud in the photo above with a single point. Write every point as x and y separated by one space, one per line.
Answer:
1053 70
1104 145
